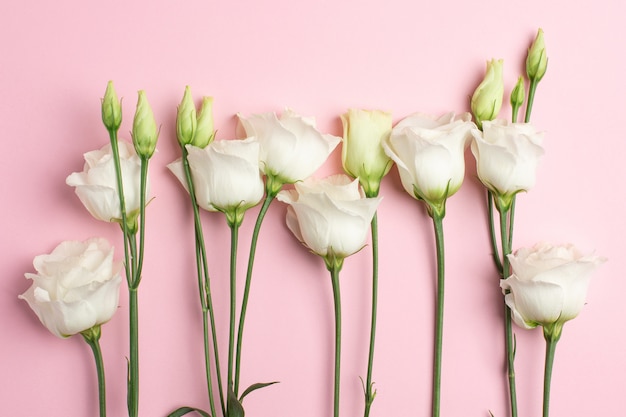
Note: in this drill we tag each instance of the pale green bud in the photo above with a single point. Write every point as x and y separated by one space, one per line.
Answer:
145 132
204 129
518 95
186 121
362 153
111 109
537 60
487 99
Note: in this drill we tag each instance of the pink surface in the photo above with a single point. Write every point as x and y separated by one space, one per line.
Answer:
319 58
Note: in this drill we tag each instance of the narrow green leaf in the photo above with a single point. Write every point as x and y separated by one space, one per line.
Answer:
234 408
255 387
186 410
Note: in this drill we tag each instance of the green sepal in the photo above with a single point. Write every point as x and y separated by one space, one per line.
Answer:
186 410
255 387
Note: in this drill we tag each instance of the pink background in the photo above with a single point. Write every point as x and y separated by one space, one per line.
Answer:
319 58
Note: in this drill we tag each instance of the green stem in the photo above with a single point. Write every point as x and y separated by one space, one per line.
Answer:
438 343
234 232
133 369
506 231
246 292
547 376
531 98
492 232
142 219
369 396
92 337
204 290
334 274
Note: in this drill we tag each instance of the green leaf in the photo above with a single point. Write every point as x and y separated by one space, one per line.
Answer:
255 387
234 407
185 410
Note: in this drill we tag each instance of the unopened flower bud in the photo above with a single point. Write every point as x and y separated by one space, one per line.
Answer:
145 132
186 121
204 128
537 60
111 109
487 99
518 96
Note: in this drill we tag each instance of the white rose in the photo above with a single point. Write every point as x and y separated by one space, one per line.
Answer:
96 185
548 285
76 286
507 155
330 216
429 153
292 149
226 176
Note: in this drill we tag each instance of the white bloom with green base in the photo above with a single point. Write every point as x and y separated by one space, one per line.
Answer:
429 153
292 149
548 285
330 216
76 286
507 156
96 185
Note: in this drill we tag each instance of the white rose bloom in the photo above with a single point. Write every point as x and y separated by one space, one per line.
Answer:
507 155
76 286
548 285
96 185
429 153
292 149
330 216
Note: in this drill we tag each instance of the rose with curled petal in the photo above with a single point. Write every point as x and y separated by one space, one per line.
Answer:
292 149
96 185
329 216
226 176
548 285
429 154
76 286
507 155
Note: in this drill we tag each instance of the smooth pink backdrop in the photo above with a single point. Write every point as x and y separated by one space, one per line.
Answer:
319 58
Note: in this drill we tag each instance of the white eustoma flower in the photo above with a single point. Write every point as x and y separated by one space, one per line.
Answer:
226 176
507 156
548 285
76 286
429 154
362 152
292 149
96 185
329 216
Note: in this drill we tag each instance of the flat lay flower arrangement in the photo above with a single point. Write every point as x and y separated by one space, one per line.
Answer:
75 289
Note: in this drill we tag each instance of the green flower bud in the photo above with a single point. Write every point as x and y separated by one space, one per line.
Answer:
111 109
145 132
204 129
537 60
487 99
186 121
362 154
518 96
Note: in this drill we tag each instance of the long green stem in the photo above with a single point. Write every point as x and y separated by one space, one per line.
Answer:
92 337
547 376
246 292
204 289
133 367
234 232
531 98
506 230
334 274
369 395
495 252
438 343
